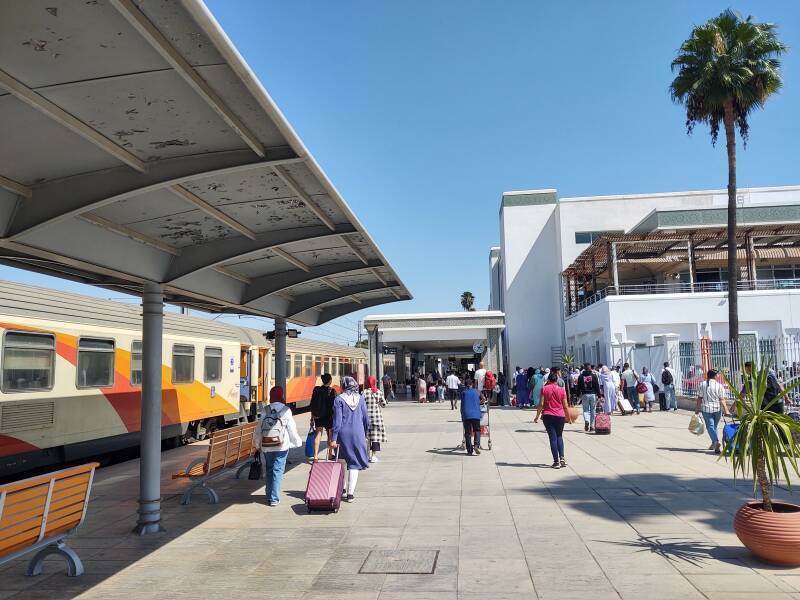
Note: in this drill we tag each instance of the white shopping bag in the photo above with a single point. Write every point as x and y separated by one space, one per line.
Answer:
696 425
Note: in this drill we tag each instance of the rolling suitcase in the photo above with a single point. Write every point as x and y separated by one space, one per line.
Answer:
662 401
325 483
728 432
624 405
602 424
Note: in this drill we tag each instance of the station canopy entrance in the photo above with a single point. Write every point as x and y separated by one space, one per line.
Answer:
139 152
404 344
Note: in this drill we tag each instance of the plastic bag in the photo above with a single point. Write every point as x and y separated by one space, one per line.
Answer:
696 425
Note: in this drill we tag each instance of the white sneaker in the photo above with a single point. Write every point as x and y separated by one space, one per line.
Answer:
373 459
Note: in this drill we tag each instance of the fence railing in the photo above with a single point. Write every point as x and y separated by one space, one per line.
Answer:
685 288
782 353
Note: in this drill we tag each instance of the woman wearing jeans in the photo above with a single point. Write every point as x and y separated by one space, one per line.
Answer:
276 418
711 402
554 410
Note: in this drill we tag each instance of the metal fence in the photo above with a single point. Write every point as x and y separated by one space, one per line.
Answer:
695 358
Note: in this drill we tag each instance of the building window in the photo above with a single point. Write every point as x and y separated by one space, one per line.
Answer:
298 365
95 363
212 364
182 363
136 363
307 365
317 366
587 237
28 361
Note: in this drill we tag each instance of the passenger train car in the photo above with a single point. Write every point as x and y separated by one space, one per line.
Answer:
71 374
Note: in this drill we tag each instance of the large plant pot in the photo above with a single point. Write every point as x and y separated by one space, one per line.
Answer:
772 536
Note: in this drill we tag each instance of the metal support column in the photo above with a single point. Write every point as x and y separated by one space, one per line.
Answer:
280 356
378 355
149 520
614 269
690 248
751 262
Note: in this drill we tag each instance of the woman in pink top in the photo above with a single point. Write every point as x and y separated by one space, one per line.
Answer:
554 412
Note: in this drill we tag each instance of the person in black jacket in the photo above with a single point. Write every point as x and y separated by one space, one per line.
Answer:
589 392
322 412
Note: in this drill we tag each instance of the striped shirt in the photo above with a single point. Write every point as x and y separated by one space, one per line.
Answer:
712 393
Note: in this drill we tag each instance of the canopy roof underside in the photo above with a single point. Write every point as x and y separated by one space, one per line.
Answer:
138 146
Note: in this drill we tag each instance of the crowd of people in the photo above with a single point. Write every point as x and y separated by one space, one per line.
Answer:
352 420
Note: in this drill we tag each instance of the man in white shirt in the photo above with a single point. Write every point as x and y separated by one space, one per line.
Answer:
712 403
668 386
452 382
480 378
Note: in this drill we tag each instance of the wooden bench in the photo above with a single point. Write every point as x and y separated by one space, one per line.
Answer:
39 512
226 449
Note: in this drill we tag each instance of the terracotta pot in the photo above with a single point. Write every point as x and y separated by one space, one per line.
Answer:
772 536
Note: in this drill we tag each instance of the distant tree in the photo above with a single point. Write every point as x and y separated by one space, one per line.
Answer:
362 343
726 69
467 301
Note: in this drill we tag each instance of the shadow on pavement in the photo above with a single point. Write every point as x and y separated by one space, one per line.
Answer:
677 549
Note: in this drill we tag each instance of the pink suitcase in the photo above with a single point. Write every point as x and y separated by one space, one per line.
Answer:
325 483
602 423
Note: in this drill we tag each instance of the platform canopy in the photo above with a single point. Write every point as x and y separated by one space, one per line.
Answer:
137 146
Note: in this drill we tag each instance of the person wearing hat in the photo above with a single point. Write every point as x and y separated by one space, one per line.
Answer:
711 403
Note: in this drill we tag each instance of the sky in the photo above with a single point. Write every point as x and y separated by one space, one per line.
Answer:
423 113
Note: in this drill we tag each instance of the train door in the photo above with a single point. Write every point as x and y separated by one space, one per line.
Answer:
244 374
262 374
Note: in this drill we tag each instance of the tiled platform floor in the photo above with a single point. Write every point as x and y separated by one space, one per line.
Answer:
645 513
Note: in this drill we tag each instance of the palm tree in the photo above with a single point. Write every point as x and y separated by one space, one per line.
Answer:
467 300
727 68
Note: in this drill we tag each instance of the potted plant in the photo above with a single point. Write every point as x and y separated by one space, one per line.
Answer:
764 448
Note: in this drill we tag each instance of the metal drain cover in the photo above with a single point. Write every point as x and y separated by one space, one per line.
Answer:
401 562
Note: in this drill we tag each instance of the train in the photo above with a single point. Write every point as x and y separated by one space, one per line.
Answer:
71 374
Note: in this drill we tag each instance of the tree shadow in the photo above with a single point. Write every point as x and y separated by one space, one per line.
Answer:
529 465
689 450
683 550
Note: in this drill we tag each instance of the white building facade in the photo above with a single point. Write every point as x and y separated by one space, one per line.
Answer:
605 277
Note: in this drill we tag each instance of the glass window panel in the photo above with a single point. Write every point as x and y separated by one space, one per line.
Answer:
136 363
95 363
212 365
28 362
784 273
307 365
298 365
317 366
182 363
288 366
764 273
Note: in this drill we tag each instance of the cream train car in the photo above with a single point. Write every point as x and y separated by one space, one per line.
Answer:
70 376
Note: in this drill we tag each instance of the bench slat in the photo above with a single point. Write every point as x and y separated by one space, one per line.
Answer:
23 495
67 522
14 534
20 516
45 479
68 514
19 507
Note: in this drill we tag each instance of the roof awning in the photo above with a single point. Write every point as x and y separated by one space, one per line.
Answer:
139 146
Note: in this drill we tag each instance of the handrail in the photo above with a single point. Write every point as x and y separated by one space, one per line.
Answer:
684 288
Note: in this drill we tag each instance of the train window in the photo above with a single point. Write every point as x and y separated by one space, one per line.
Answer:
317 366
212 365
95 363
298 365
307 365
334 366
288 367
28 361
136 363
182 363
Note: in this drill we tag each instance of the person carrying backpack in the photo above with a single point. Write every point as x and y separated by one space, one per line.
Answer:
489 383
668 386
589 392
276 436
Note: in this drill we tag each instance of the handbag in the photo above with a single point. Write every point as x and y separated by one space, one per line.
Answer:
255 467
641 388
696 425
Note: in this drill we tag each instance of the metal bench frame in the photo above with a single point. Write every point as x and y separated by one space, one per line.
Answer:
53 544
200 481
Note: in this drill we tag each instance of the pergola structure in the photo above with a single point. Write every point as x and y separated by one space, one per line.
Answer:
140 152
614 261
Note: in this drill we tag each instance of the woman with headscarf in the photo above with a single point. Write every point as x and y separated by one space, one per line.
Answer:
350 427
375 400
536 387
422 389
649 393
609 388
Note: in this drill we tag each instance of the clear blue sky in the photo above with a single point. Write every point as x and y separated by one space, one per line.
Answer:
422 113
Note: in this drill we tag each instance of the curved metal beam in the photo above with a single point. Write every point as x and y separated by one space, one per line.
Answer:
310 301
218 252
272 284
65 198
342 309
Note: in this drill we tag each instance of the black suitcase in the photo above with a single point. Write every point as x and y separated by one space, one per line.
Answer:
662 400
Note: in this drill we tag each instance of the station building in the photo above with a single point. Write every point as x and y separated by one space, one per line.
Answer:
635 277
